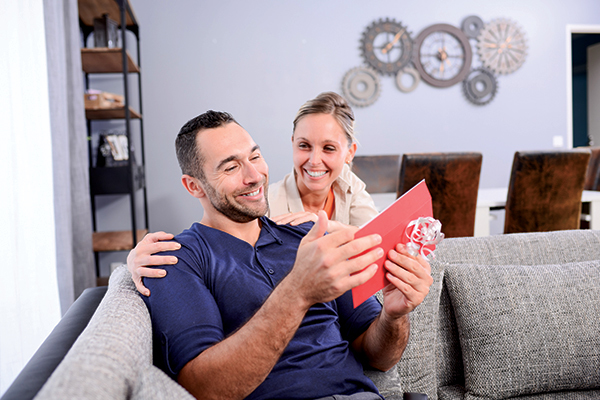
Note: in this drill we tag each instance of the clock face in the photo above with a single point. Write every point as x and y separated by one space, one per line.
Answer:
386 46
442 55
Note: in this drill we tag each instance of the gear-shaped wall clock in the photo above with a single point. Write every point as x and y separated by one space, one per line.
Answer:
442 55
502 46
387 46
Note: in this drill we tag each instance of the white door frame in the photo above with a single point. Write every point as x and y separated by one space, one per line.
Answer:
570 30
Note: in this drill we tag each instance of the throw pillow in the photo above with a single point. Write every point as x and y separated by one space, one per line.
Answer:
527 329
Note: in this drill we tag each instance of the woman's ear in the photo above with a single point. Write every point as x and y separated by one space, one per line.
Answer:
193 186
351 153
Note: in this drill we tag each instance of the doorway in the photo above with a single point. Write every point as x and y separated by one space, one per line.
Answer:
583 85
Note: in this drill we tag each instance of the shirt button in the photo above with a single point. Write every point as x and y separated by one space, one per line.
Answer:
271 271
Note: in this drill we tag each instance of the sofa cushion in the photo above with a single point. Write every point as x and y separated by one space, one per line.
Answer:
417 367
527 329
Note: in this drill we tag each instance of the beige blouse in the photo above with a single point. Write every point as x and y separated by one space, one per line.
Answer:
353 205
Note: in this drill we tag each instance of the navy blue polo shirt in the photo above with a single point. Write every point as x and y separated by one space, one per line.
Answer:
220 282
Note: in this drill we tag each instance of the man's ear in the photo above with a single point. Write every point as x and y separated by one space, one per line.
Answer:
193 186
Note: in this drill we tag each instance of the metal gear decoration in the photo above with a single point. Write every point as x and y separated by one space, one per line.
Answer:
472 26
480 86
416 78
361 86
502 46
443 55
386 45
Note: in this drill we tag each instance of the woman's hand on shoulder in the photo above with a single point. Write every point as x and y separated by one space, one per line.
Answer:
295 218
142 256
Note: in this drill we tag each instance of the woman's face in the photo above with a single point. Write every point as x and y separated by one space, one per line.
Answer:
320 149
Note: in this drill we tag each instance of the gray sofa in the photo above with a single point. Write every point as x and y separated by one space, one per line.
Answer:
509 316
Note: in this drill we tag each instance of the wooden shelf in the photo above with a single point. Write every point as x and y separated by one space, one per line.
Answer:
90 9
110 113
103 60
116 240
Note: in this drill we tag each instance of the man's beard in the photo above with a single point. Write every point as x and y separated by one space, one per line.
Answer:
235 211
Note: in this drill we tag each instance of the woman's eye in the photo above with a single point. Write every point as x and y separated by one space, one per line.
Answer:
329 148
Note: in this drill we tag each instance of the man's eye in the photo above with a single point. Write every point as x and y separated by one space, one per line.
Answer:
230 169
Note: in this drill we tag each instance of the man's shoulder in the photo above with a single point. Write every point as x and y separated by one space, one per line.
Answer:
301 229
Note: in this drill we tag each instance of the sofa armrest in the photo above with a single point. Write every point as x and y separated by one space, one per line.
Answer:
52 351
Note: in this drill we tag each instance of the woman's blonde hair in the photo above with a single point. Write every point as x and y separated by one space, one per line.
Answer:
333 104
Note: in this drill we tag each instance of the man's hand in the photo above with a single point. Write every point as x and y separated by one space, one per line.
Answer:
295 218
142 256
410 279
383 343
325 269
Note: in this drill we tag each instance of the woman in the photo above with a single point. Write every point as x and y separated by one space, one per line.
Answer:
323 146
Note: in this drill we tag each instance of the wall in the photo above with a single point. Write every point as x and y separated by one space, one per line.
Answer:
262 59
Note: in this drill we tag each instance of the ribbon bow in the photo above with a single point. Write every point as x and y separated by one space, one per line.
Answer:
423 234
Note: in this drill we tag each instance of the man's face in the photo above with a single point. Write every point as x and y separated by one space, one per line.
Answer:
236 175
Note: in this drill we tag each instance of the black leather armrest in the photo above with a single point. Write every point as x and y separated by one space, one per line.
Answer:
45 360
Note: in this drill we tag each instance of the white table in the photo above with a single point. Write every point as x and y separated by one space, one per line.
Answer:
496 198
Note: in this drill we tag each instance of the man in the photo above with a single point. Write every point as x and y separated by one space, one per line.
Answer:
264 311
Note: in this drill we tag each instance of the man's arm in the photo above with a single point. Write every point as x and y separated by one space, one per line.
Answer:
383 343
323 271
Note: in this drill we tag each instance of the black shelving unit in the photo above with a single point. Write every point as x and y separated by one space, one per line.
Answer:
128 179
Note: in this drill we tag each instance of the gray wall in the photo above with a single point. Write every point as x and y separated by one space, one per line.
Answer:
262 59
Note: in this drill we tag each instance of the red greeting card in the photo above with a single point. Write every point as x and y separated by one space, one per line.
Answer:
391 224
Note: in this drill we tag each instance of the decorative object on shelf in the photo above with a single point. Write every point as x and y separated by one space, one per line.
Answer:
105 32
472 26
361 86
443 55
416 78
387 46
97 99
112 150
480 86
502 46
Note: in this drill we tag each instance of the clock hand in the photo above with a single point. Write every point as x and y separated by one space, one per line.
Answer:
391 44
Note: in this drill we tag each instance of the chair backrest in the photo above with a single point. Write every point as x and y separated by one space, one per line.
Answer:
592 176
379 173
544 192
452 180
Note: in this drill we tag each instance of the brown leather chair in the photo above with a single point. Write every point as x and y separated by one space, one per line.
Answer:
379 173
544 192
452 180
592 175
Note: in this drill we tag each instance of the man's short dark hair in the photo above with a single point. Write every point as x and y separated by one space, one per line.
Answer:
189 156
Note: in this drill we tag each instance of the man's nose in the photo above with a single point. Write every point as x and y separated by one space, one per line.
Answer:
252 174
